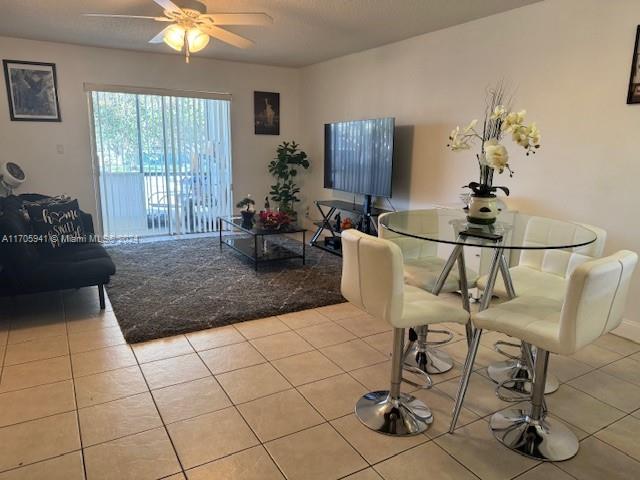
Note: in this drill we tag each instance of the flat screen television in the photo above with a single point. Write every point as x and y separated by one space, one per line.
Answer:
358 156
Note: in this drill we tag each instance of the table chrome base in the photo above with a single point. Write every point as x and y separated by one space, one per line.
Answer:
400 417
546 439
428 360
501 372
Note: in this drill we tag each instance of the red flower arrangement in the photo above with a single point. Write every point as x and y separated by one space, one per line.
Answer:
271 220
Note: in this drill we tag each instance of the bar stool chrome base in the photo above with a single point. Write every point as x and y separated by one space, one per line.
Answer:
403 416
502 372
545 439
429 360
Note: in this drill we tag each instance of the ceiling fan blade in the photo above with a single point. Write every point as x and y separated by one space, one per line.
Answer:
239 18
168 5
159 38
109 15
226 36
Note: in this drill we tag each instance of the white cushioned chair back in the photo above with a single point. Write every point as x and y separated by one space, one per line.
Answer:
596 299
541 231
412 248
372 275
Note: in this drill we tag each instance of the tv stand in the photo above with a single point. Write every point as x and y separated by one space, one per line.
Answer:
327 208
366 220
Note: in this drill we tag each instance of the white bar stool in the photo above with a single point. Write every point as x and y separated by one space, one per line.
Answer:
372 279
594 305
543 273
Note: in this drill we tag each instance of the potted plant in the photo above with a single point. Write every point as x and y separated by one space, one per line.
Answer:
499 120
248 206
285 169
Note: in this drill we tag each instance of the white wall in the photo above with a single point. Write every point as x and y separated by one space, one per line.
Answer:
570 60
33 144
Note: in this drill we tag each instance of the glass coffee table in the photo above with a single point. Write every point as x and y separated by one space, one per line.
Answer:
261 245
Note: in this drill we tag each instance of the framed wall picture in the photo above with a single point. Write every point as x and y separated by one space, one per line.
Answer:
634 81
266 111
32 91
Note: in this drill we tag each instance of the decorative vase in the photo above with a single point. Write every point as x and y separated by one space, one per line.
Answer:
247 219
483 209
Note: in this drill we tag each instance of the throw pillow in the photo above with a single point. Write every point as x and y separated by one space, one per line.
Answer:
57 220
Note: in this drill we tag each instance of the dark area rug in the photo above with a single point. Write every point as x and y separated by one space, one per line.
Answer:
178 286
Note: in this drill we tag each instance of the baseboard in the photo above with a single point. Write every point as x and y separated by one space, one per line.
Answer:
629 330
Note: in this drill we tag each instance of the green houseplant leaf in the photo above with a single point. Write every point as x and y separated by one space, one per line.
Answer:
284 168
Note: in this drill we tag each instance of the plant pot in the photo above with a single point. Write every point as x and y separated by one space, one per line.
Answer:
247 219
483 210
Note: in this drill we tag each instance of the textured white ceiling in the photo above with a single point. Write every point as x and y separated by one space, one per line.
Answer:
304 31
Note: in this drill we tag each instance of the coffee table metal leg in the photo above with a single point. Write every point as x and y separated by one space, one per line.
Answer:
255 252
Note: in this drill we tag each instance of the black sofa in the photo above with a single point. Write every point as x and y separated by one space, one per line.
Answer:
26 267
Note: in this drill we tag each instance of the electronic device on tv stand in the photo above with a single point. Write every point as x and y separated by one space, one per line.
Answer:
358 158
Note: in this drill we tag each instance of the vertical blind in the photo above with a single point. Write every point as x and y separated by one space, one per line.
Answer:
164 162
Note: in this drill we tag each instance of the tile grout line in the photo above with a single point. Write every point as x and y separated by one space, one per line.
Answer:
455 459
4 353
164 426
11 469
44 384
75 393
233 405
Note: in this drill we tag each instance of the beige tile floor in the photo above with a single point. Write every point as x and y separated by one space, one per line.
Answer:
273 399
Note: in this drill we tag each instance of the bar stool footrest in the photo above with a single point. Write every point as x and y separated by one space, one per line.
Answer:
502 343
514 390
448 333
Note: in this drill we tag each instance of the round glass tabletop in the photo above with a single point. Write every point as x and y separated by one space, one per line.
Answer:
448 225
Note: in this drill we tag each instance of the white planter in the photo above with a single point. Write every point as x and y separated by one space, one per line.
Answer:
483 210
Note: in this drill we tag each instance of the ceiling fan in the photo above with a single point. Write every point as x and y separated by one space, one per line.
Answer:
191 26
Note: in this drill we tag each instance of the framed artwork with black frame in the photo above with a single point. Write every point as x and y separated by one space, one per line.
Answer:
266 111
634 80
32 91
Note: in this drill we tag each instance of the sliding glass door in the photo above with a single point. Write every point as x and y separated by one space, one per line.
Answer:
163 162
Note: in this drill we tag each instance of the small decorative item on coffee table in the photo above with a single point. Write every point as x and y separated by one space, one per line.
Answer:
270 220
248 211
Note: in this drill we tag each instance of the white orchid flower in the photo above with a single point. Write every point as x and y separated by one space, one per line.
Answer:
496 155
470 128
498 112
459 144
457 141
534 134
513 120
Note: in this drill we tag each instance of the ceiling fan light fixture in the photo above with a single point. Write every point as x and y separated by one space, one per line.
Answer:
197 40
174 37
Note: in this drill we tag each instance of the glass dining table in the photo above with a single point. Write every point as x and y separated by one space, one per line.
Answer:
449 226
